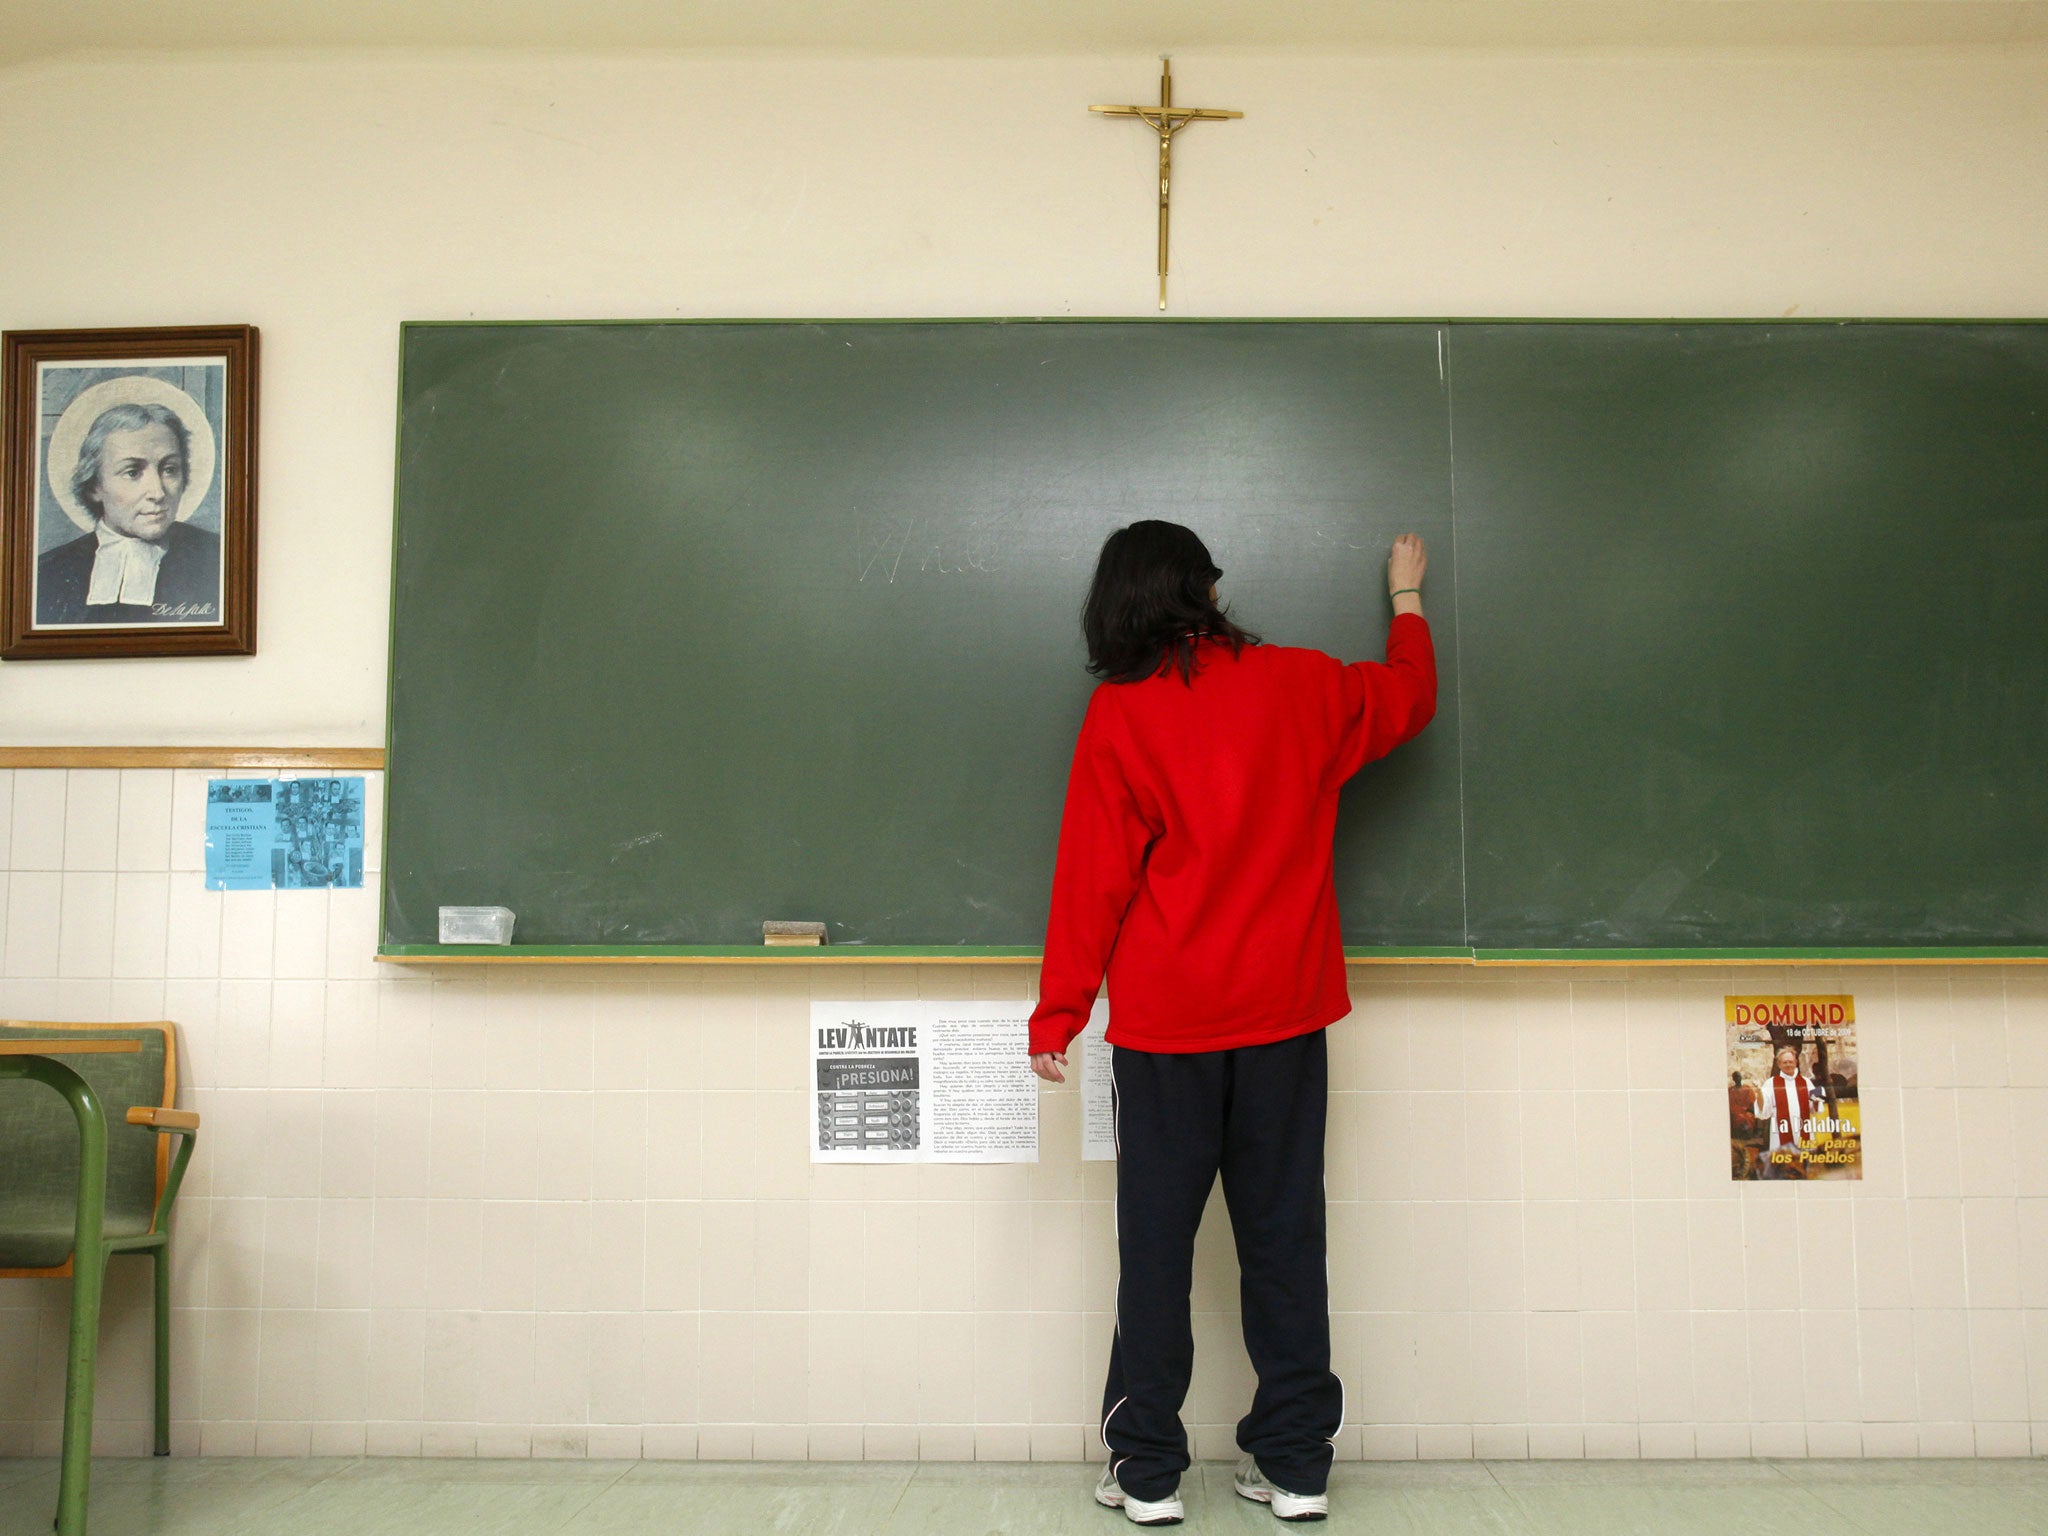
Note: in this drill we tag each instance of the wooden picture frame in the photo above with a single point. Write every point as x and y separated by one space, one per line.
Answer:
128 492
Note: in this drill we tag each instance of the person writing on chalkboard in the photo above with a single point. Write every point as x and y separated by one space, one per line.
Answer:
1194 868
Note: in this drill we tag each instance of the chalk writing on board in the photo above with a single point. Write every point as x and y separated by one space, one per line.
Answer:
917 545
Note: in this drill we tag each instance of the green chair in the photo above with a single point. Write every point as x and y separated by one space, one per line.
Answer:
74 1189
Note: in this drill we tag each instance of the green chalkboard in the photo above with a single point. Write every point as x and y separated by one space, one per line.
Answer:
1755 625
699 625
1741 626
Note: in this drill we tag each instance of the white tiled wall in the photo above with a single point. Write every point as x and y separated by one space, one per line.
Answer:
567 1212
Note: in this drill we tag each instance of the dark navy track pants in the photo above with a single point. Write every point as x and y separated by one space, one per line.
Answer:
1256 1115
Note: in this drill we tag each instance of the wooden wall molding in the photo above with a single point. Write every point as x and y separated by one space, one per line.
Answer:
352 759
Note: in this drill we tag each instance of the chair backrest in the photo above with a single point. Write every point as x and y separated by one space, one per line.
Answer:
39 1144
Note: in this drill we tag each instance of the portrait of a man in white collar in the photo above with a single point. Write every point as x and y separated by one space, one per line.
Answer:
137 475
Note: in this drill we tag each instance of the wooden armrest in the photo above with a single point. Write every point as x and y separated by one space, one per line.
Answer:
164 1119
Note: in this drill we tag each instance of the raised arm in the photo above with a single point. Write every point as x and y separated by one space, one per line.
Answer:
1384 703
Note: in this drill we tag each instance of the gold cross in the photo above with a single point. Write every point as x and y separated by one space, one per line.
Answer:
1166 120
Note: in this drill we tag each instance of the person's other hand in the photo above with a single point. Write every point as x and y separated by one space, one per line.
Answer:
1407 563
1047 1065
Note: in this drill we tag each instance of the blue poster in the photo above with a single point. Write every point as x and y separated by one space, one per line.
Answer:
319 834
294 834
240 831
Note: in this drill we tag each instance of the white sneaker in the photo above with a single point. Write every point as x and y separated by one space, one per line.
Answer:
1251 1483
1166 1511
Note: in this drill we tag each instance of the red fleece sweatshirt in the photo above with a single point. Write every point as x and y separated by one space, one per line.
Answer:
1195 850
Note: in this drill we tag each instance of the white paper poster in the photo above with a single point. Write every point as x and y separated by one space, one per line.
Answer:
1098 1115
923 1082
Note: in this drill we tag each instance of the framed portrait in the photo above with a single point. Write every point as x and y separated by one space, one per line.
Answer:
128 469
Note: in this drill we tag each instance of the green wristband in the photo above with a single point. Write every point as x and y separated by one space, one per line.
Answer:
1405 590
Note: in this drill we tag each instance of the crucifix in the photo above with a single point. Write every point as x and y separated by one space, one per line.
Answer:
1166 120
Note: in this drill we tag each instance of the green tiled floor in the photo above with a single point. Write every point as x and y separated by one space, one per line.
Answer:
680 1498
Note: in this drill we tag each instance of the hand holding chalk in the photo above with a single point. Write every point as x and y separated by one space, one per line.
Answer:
1406 565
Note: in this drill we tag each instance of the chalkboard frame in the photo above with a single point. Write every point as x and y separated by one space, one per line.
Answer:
960 954
1795 956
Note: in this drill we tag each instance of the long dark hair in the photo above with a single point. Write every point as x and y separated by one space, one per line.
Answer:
1149 603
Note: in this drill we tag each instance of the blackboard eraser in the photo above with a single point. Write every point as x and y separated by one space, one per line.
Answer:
793 934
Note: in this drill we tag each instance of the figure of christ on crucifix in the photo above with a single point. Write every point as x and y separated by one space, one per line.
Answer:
1166 120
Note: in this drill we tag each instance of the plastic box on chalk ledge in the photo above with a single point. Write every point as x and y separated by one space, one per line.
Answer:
476 925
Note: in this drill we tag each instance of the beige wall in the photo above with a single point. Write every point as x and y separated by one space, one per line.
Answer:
328 200
504 1216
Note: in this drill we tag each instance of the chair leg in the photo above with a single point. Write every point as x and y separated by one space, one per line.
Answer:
88 1278
163 1349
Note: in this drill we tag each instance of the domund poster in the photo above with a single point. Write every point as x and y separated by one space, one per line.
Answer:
1792 1107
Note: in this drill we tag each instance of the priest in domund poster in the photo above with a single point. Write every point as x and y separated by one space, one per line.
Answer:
1792 1104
